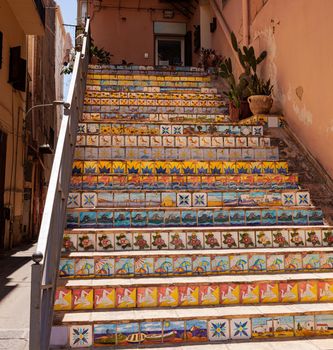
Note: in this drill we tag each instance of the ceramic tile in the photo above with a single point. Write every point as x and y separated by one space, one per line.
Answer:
240 328
293 261
308 291
257 262
86 242
125 332
246 239
123 241
63 299
104 266
66 267
173 331
147 297
212 240
105 242
327 237
163 265
177 240
138 218
122 219
262 327
288 292
288 198
196 331
69 243
105 334
304 326
159 240
269 292
283 326
264 239
83 299
249 293
302 198
88 219
205 218
313 238
239 263
324 325
105 219
182 265
189 218
297 238
141 241
230 239
80 336
218 330
184 199
199 199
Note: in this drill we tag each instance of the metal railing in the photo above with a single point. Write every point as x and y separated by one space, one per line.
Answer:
46 258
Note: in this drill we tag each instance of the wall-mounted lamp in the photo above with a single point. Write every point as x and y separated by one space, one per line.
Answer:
213 25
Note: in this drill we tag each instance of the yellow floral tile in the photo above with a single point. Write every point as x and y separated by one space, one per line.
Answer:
119 167
147 297
202 168
147 167
281 167
189 167
268 167
133 167
77 168
90 167
229 168
104 167
243 167
216 168
105 298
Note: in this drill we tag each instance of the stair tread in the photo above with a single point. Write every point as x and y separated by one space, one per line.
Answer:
196 279
168 252
191 312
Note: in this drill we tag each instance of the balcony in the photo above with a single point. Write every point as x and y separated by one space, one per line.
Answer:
30 14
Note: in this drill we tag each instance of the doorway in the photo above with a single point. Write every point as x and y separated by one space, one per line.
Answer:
3 150
169 51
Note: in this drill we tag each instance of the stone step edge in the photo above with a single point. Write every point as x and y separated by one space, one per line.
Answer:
197 280
198 313
189 252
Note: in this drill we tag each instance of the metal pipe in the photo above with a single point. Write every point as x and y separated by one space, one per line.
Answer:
245 12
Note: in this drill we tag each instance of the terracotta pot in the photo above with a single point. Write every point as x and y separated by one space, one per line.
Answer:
260 104
242 112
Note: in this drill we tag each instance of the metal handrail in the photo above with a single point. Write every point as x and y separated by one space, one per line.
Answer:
46 258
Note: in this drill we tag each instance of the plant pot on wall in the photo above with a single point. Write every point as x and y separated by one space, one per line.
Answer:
242 112
260 104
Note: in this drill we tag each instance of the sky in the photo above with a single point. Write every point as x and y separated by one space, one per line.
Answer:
68 11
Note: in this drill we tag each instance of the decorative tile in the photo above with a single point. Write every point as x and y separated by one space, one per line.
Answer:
308 291
105 334
69 243
123 241
196 331
144 266
269 292
283 326
141 241
280 238
88 219
80 336
63 299
105 242
324 325
249 293
240 328
86 242
218 330
288 292
297 238
66 267
177 240
122 219
84 267
257 262
304 326
89 200
125 297
214 199
104 267
147 297
212 240
262 327
246 239
313 238
188 295
152 331
275 262
125 332
239 263
182 265
288 198
163 265
173 331
83 299
199 199
303 198
264 239
159 240
230 239
105 219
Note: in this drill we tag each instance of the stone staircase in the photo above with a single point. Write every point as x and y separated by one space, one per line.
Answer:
182 227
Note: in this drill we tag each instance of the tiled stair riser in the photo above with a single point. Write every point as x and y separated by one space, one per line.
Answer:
106 241
141 217
208 198
191 182
198 294
178 167
120 129
200 330
188 265
172 153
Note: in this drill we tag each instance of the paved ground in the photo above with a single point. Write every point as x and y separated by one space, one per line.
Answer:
15 298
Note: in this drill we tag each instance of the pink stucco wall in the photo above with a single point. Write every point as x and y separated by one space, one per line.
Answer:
128 32
297 35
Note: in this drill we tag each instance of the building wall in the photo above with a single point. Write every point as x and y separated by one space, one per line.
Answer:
12 107
297 36
127 32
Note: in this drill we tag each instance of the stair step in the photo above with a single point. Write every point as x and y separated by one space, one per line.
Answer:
105 240
180 167
128 264
184 182
193 291
206 324
192 216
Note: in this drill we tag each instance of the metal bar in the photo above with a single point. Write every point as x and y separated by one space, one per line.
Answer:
36 276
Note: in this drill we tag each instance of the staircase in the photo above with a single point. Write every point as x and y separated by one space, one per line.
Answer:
182 227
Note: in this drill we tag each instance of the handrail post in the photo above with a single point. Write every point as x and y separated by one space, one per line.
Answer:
35 311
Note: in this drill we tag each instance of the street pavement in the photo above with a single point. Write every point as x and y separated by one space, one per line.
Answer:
15 298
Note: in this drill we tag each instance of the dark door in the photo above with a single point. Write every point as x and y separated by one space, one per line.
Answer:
188 49
3 148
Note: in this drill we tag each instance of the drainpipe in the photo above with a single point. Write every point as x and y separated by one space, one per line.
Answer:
245 10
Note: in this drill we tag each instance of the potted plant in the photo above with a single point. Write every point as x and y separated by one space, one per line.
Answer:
99 55
260 100
237 91
210 60
247 83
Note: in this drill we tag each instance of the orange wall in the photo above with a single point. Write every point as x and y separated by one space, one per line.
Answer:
128 33
297 35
